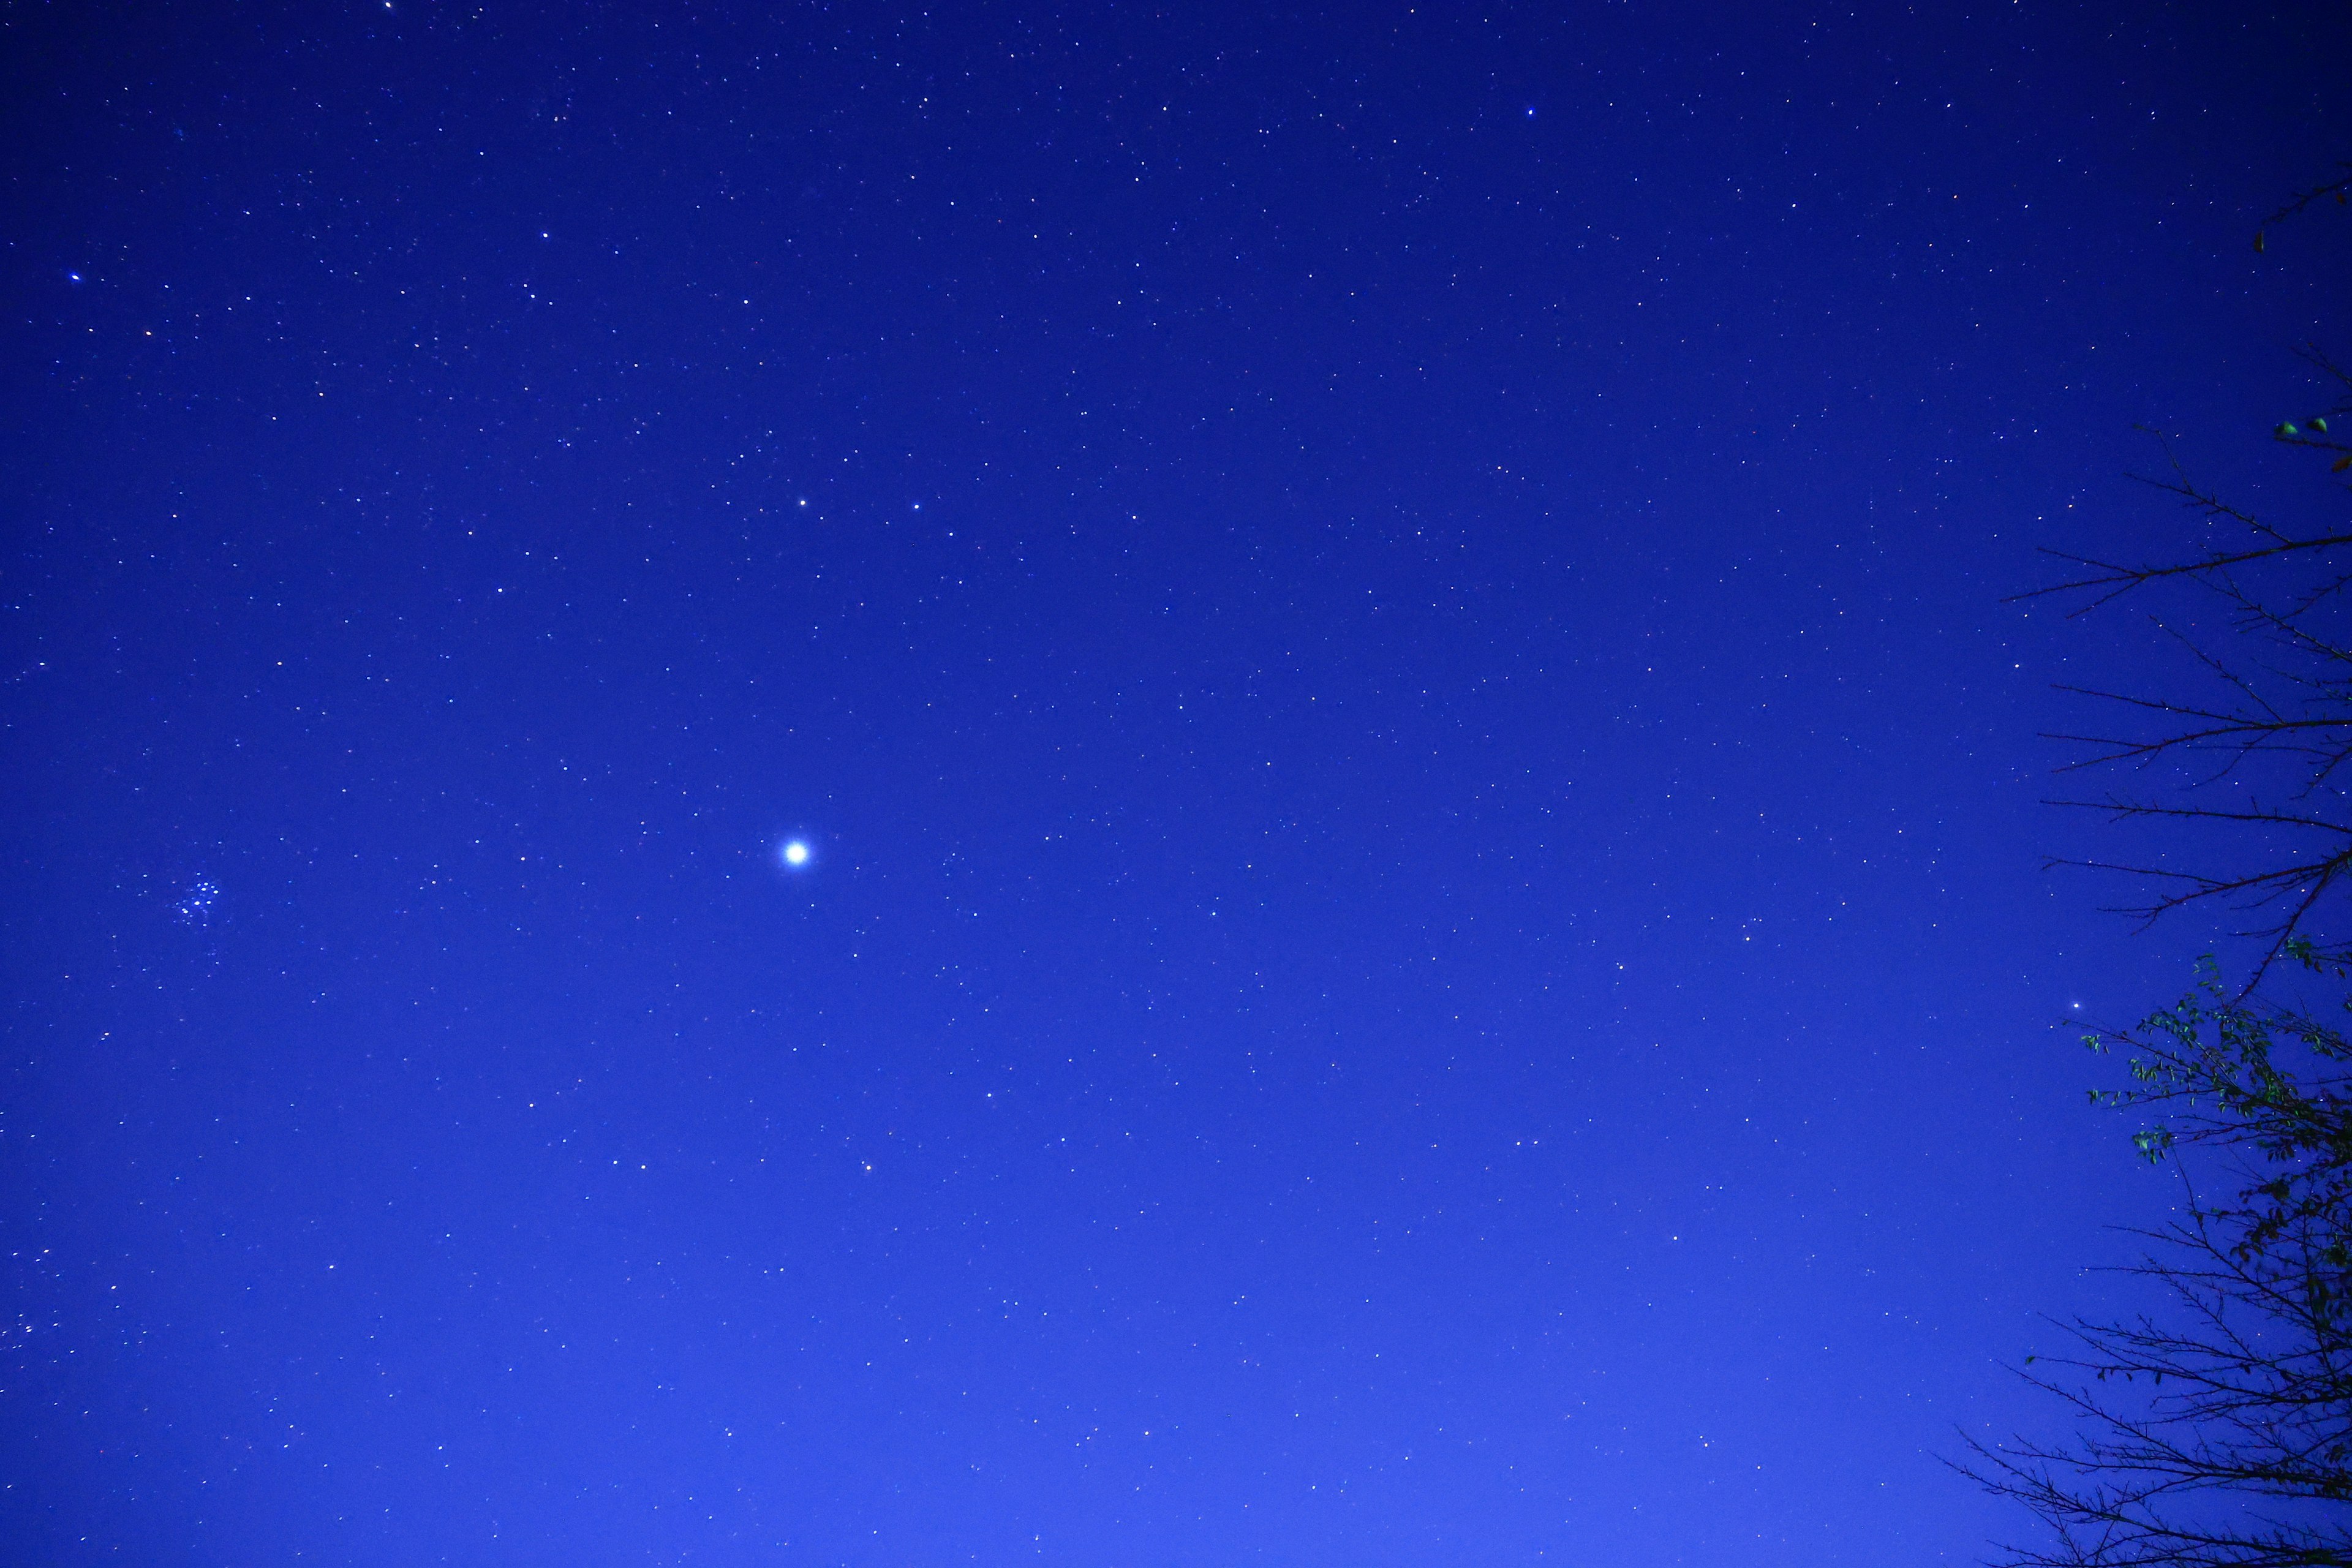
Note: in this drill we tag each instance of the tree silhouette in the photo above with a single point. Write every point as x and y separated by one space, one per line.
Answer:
2215 1430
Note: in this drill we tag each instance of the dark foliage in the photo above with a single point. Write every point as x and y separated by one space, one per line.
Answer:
2216 1430
2221 1432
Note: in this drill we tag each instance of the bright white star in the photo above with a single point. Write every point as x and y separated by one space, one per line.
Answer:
797 853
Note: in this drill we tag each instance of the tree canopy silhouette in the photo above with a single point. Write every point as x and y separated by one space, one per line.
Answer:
2215 1429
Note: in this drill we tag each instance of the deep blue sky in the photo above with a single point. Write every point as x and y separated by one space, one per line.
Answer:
1425 941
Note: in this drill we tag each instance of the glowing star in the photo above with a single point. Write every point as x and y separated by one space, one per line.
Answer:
797 853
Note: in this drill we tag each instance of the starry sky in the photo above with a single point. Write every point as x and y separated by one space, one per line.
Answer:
1422 935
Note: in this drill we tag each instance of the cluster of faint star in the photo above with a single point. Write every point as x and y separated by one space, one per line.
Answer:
194 907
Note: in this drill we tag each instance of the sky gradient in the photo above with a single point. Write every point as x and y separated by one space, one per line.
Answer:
1424 937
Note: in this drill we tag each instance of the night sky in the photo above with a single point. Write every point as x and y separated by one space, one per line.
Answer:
1422 935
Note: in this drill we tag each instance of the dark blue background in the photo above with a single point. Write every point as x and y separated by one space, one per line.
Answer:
1426 940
